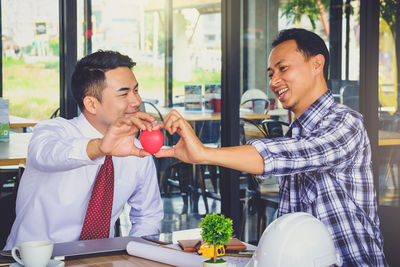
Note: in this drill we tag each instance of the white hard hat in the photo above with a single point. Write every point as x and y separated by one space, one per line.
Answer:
296 239
252 94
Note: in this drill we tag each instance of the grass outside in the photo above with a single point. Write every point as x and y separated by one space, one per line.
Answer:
151 81
33 88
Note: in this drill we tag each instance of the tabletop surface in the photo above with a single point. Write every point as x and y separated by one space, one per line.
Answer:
203 115
115 261
14 151
18 122
389 138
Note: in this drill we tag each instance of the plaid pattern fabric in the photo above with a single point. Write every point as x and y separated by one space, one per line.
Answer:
325 160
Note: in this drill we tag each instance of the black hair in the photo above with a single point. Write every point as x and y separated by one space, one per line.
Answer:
309 43
88 77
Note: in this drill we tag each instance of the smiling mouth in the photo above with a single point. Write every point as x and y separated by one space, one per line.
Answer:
130 113
282 92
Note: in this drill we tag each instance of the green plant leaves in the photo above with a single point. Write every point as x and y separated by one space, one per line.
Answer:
216 229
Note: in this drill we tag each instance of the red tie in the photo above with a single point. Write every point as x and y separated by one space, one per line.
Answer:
98 214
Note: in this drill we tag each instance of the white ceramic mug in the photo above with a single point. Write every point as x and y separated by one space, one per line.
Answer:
34 253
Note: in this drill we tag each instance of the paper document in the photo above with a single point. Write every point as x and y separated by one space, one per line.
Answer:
164 255
178 258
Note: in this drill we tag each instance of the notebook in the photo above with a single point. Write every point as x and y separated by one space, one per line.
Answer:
94 247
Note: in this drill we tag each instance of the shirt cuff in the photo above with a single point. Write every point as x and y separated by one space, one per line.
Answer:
144 230
78 152
261 145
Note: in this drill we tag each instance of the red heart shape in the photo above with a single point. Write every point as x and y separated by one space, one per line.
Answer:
152 141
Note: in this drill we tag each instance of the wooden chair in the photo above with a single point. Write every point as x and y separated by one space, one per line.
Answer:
255 196
7 202
55 114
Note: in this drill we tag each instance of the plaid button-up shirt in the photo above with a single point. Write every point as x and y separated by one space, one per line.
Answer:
325 163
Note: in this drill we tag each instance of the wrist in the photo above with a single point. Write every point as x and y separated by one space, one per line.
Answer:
93 149
207 155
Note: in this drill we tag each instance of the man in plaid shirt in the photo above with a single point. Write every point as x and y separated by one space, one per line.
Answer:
324 159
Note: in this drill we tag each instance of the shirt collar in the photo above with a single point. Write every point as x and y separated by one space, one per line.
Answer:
87 129
311 117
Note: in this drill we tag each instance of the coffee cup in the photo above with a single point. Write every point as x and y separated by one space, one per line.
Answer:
33 253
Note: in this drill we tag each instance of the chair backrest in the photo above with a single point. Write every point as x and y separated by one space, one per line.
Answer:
55 114
265 129
256 100
7 210
144 108
273 128
7 204
251 129
349 96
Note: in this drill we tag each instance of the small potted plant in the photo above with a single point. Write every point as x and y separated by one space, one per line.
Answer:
216 230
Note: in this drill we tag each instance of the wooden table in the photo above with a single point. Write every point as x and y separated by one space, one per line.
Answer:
15 150
18 122
388 143
389 138
193 116
122 260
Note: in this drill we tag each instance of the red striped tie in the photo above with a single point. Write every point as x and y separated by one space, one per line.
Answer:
98 214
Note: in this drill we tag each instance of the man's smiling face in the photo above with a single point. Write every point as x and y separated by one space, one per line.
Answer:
120 96
291 76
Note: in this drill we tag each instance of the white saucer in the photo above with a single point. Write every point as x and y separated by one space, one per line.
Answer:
52 263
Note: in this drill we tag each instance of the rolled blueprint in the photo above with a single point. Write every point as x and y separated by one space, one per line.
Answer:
164 255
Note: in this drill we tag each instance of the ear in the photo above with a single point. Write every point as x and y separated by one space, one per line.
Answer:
318 62
90 103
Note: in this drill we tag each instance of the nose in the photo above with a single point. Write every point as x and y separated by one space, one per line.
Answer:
274 81
134 99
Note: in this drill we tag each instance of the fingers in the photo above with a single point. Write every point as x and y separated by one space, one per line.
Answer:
158 126
143 153
143 121
165 152
140 121
173 121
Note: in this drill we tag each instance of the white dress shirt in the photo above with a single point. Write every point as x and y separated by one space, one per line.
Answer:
57 184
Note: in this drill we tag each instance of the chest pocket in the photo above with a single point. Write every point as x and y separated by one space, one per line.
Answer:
307 190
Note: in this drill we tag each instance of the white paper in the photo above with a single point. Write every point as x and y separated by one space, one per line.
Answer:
186 234
164 255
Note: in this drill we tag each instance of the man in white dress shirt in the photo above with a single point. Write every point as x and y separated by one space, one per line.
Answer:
64 157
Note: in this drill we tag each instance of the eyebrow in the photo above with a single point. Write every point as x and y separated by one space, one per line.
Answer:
127 89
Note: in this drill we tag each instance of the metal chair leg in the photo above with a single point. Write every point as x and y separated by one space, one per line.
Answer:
203 187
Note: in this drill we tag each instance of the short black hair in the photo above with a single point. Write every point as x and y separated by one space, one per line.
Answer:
309 43
88 77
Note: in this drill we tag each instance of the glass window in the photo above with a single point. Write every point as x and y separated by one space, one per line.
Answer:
338 25
134 28
31 57
388 112
259 31
138 29
196 47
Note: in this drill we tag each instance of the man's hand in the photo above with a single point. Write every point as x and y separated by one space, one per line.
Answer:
189 148
119 138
